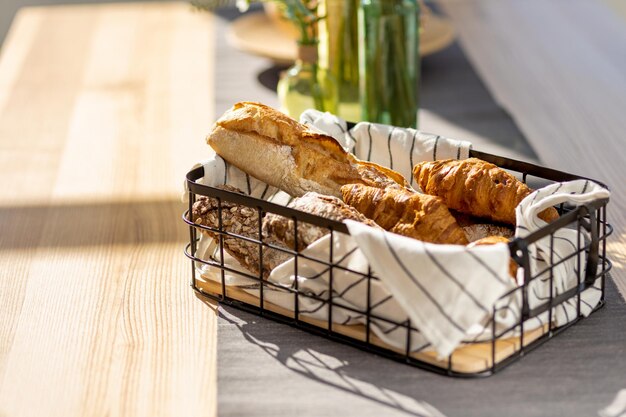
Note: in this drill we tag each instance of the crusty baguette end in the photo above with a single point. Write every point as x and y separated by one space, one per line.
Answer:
278 150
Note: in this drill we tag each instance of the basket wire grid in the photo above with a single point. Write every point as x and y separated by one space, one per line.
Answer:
591 217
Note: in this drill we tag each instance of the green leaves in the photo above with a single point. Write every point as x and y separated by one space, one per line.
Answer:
303 13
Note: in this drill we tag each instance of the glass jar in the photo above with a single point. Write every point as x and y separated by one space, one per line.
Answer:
306 86
339 52
389 61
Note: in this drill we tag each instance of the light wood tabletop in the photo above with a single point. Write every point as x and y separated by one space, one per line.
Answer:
102 111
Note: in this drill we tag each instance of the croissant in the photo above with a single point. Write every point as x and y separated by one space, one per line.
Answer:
407 213
476 187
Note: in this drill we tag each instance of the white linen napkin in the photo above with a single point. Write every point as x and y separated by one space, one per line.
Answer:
444 289
565 244
447 292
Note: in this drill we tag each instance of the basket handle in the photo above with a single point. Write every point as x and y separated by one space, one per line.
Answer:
593 258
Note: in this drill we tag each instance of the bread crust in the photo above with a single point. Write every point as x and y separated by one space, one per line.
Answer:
246 117
239 220
282 229
475 187
407 213
277 230
280 151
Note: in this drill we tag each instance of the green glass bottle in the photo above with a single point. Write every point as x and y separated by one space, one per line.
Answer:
389 61
306 86
339 52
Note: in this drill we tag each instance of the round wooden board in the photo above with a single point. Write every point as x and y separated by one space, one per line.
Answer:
255 33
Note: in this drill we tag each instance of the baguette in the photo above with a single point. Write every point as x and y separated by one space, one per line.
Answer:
278 150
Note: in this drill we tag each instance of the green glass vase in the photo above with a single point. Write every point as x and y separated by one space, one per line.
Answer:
306 86
339 52
389 61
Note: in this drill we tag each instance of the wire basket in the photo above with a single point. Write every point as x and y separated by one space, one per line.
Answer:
469 360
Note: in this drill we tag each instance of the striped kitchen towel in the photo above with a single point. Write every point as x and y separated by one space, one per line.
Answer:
564 244
450 291
444 289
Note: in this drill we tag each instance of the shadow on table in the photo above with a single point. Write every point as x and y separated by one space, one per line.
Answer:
336 365
553 380
86 224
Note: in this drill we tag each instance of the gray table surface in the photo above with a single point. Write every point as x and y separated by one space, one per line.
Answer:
266 368
271 369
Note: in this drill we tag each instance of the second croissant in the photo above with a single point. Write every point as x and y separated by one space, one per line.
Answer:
476 187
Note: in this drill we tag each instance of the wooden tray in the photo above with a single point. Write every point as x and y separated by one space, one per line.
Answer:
469 359
257 34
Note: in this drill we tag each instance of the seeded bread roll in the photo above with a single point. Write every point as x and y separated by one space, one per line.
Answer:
239 220
282 228
276 230
278 150
476 228
492 240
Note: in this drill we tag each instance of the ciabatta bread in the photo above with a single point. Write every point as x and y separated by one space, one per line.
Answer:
278 150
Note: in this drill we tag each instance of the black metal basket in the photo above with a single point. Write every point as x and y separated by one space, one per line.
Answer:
492 355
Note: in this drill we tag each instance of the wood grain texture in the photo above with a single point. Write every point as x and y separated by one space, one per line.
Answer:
467 359
102 111
560 70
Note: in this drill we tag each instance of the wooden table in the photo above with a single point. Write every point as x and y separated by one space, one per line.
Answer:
102 111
